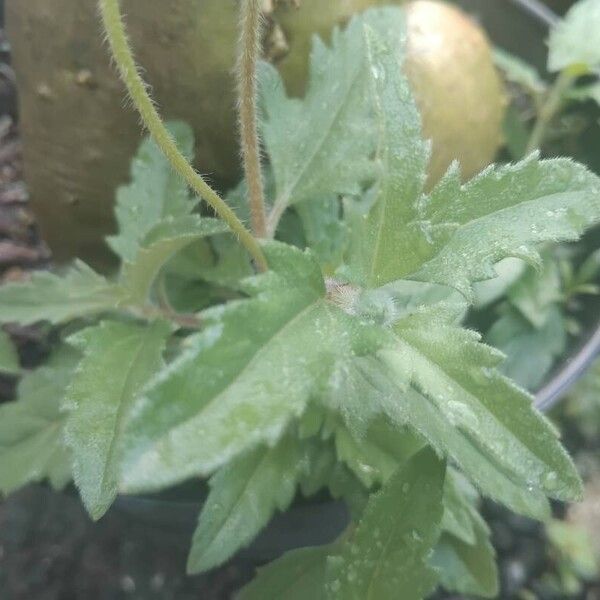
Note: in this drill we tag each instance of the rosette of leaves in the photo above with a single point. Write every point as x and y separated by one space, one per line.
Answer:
343 367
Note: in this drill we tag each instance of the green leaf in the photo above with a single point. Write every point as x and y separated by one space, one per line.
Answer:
388 550
118 361
388 231
48 297
242 380
454 235
502 212
9 359
326 234
516 70
31 428
574 42
298 575
459 377
508 272
163 242
459 509
243 497
531 351
440 381
155 193
322 145
374 457
538 292
467 568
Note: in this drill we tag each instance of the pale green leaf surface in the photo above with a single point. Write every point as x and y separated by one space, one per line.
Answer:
242 380
502 212
440 381
467 568
575 41
326 234
459 509
322 145
531 351
118 361
161 244
390 394
459 376
244 496
47 297
374 457
31 428
385 557
387 233
297 575
9 359
538 292
156 192
454 235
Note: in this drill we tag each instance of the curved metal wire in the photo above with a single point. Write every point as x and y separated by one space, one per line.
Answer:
538 10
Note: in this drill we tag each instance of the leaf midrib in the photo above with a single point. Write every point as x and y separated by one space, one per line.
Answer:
474 400
126 390
289 191
314 305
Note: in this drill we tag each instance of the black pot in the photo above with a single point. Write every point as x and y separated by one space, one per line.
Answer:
512 25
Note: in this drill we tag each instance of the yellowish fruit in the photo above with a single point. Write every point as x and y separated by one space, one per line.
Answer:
449 64
457 88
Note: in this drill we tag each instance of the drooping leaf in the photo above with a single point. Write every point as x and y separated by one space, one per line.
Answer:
9 359
297 575
575 42
118 361
467 568
31 428
440 381
155 193
387 231
322 145
385 557
449 366
245 377
243 497
158 247
47 297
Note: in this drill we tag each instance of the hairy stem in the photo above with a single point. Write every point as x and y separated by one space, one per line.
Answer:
249 51
550 108
123 56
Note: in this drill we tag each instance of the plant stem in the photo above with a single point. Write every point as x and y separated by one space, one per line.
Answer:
123 56
249 51
550 108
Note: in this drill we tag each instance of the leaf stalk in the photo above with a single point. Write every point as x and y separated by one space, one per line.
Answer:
550 108
248 54
123 56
